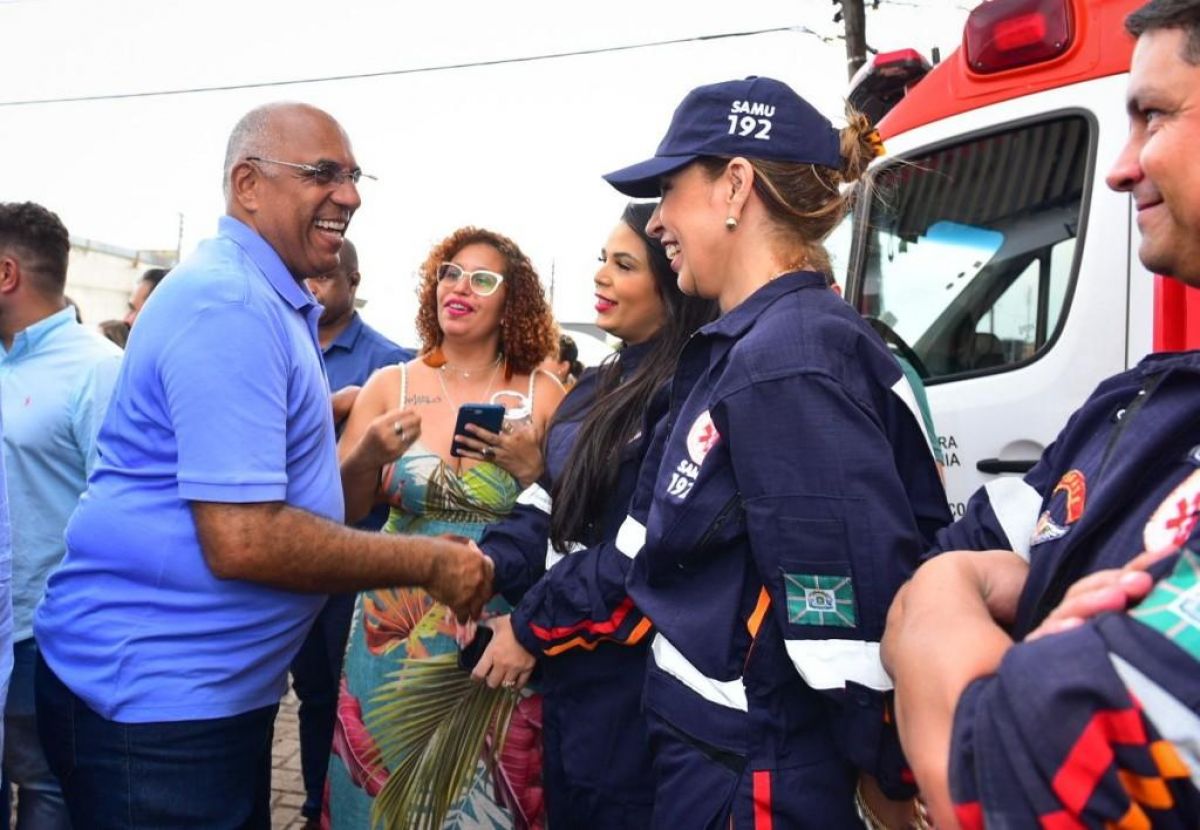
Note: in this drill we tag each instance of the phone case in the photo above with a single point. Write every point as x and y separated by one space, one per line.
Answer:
490 416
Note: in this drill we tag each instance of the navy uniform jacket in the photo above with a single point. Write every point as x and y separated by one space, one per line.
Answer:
1122 477
597 754
790 493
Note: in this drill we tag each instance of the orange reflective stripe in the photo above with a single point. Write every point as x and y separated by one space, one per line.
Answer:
1151 791
639 632
1167 760
1134 819
760 611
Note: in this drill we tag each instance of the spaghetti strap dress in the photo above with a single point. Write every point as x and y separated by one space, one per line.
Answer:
427 498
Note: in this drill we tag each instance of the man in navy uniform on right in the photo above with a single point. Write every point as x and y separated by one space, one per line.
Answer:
1046 674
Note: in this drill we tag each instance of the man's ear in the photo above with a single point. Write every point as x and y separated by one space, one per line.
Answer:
353 278
11 274
245 182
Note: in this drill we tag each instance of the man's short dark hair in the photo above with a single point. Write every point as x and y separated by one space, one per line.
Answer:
40 240
154 276
1170 14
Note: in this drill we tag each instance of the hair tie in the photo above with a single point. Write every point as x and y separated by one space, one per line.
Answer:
876 142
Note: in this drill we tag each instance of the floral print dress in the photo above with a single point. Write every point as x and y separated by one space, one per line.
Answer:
390 625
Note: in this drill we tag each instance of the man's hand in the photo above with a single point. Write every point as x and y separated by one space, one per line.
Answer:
460 576
342 402
505 662
1114 589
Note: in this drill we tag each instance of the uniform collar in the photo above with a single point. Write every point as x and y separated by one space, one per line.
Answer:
348 339
1166 361
632 356
31 337
264 256
735 323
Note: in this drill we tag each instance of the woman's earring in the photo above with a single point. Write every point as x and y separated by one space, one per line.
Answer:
730 223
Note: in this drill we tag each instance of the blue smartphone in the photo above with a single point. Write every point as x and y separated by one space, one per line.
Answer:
490 416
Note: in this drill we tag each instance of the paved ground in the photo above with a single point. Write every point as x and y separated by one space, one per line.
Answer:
287 790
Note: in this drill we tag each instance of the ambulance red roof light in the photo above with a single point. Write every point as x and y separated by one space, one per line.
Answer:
1006 34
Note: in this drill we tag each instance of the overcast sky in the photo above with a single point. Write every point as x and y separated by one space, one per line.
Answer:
517 147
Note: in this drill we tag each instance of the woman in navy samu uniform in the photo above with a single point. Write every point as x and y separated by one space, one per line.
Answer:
790 491
596 766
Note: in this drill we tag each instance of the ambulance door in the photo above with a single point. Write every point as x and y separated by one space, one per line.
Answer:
997 263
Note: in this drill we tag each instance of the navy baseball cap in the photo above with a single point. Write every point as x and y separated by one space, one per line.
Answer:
758 118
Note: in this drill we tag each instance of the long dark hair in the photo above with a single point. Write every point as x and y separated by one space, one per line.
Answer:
590 473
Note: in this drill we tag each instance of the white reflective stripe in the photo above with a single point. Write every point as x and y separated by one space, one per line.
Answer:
1173 720
536 496
631 537
728 693
553 557
1017 506
903 390
828 664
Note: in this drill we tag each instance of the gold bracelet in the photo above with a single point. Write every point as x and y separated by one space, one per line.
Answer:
874 822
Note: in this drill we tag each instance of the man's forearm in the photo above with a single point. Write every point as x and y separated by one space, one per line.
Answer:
285 547
940 637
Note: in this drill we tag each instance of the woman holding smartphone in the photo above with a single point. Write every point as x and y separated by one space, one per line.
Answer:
550 552
792 494
484 326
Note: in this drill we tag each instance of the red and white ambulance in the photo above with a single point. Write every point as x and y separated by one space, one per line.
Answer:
985 244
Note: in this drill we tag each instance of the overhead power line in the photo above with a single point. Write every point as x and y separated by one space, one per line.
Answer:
116 96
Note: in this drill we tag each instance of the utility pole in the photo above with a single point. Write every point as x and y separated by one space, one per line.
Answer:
854 17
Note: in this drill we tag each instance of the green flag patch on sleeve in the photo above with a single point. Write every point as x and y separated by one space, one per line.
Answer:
814 599
1173 607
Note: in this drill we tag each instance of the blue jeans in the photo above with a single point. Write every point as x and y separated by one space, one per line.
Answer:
40 804
316 671
213 774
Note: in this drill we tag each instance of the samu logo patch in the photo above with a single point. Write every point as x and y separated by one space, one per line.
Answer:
1063 512
813 599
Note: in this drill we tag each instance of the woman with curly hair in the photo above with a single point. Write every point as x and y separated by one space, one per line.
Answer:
484 326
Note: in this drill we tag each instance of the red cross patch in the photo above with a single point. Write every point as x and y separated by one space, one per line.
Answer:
1172 523
702 437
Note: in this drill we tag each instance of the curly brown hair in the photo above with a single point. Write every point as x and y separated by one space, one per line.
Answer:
527 329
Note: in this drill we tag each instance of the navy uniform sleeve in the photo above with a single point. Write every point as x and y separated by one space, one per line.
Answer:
582 601
1094 727
518 544
833 534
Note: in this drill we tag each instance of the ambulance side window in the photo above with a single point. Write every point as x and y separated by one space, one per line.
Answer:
969 250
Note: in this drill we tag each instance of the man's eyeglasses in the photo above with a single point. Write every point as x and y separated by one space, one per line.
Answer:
483 283
323 173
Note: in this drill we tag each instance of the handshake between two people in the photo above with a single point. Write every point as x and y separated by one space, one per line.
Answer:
460 576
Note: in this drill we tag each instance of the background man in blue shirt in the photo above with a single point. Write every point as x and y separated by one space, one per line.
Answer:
352 351
211 528
142 291
56 377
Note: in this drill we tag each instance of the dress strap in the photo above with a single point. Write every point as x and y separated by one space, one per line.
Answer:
532 378
403 384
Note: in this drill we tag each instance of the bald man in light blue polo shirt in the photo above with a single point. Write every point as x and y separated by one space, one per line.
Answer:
210 531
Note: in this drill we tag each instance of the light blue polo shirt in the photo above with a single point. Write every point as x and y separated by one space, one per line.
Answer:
55 384
222 397
6 640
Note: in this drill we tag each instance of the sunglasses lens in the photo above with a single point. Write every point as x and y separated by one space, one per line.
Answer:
484 283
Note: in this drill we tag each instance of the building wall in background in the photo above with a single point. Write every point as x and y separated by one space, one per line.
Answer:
100 277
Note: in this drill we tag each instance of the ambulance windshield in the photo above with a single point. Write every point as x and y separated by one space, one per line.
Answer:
966 254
